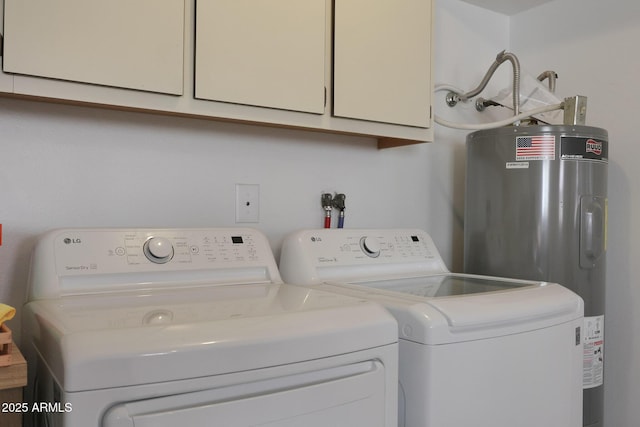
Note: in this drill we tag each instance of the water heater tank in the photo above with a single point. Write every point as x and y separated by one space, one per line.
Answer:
536 208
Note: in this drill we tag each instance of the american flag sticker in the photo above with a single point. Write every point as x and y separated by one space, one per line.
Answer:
537 147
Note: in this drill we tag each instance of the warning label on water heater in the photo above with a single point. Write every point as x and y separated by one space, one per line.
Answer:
593 348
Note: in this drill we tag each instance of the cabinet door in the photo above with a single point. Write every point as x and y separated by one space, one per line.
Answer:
382 61
136 44
6 80
268 53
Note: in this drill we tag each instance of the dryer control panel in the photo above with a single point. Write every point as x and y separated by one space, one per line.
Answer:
76 261
362 253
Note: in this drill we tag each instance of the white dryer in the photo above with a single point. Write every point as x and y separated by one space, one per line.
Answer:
194 327
474 350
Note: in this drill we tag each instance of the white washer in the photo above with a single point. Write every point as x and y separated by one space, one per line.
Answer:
194 327
474 351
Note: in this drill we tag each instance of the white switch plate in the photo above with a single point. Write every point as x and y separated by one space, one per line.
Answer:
247 203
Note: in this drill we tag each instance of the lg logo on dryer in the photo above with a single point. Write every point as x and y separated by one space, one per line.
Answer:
70 241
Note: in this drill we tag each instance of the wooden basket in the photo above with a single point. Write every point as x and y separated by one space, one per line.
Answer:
6 345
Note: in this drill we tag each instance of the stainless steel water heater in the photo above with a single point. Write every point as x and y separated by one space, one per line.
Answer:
536 208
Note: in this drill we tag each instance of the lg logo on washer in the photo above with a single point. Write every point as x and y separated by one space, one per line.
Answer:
69 241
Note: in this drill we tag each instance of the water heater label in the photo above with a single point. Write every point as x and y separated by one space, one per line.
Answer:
593 348
584 148
517 165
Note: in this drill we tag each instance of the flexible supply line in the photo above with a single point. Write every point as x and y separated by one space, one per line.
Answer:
327 205
492 125
500 123
500 58
339 204
552 76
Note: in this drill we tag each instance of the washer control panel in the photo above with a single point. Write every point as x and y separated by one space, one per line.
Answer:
108 258
324 253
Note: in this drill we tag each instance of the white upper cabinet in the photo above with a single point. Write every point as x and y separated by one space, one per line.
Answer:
359 67
134 44
382 61
267 53
6 80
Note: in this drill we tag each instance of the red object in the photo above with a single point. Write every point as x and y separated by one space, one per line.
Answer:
0 234
327 222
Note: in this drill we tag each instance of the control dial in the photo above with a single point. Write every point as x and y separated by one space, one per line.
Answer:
158 250
157 317
370 246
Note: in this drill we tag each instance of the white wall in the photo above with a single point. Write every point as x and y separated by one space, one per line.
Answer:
467 40
592 45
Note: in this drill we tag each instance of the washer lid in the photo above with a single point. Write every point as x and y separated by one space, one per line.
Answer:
448 308
93 342
446 285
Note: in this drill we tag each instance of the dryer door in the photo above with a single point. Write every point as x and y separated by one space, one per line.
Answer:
350 395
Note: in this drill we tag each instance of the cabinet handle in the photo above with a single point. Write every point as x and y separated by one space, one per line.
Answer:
591 231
